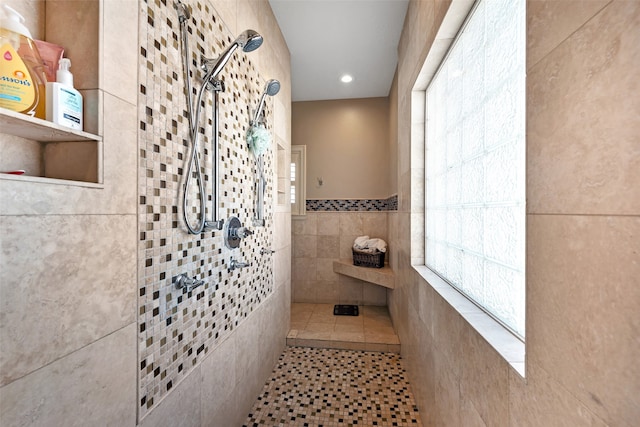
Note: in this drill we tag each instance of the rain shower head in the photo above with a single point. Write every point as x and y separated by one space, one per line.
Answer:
249 41
271 88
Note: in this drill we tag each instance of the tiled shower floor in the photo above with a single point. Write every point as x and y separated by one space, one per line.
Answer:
314 325
330 388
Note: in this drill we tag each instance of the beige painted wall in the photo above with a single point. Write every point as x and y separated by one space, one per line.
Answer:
583 223
347 145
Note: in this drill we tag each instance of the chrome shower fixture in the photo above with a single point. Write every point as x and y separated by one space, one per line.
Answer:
183 11
249 41
271 88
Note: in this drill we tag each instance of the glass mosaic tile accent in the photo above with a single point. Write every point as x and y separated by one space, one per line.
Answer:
353 205
176 329
331 388
392 203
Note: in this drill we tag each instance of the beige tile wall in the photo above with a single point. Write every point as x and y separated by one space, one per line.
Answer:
583 226
322 237
68 260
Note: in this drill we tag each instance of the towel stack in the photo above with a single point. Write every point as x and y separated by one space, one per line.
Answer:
368 245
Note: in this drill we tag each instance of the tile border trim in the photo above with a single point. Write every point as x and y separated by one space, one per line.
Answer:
352 205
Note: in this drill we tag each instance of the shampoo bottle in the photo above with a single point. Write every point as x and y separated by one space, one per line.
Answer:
22 77
64 103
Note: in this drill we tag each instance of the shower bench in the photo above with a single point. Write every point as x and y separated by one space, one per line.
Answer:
379 276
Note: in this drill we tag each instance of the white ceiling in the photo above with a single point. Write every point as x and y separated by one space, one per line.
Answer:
329 38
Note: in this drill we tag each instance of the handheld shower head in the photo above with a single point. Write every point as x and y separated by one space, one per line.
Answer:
249 41
183 11
271 88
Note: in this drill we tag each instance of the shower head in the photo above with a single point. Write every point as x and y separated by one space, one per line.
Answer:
249 41
271 88
183 11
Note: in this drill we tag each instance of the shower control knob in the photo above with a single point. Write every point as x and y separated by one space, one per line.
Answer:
234 232
243 232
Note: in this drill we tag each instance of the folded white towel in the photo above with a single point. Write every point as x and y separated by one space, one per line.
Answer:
368 245
360 242
378 244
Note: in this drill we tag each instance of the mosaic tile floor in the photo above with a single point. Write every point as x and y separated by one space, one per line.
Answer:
331 388
314 325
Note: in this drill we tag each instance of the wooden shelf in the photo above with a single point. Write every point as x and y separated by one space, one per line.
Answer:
379 276
28 127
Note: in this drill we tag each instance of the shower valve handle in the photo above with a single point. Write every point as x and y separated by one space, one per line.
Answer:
234 264
182 281
243 232
234 232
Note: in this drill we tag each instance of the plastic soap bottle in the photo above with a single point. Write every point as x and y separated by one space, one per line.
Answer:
22 76
64 103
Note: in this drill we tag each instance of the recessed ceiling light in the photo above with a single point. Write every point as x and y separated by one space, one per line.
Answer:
346 78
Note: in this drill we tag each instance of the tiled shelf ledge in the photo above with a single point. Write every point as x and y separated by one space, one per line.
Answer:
61 155
379 276
24 126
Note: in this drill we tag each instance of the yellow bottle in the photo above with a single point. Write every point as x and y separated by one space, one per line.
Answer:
22 76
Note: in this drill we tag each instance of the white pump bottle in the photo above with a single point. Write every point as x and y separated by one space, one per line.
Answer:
64 102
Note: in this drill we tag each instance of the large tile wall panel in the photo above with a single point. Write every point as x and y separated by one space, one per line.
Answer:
541 401
554 21
68 288
582 131
86 387
218 383
120 23
182 407
583 274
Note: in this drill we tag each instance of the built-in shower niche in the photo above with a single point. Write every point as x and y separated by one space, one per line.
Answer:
44 150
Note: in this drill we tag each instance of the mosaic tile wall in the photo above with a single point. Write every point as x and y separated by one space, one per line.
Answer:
178 328
353 205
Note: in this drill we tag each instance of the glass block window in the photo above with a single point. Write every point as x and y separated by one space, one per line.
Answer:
475 162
